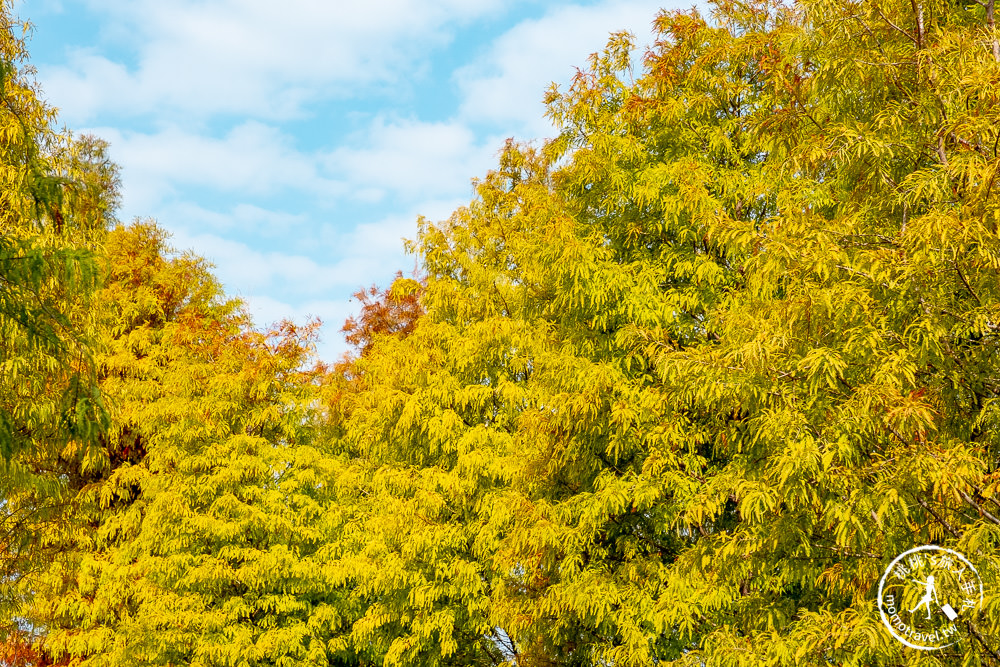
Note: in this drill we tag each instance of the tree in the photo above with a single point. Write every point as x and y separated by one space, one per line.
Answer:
393 311
58 194
680 384
694 372
199 536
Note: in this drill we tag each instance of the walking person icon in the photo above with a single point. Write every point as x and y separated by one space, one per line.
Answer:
930 593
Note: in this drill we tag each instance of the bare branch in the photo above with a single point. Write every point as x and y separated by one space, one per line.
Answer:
897 28
942 521
982 642
966 283
982 512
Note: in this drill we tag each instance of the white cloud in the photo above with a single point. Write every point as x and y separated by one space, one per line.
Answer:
253 158
366 254
412 159
243 269
506 86
383 240
242 219
370 253
81 91
253 57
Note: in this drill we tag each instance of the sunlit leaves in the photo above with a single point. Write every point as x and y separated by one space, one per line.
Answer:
677 386
748 299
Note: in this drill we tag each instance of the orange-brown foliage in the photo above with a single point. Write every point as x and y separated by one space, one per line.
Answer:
382 312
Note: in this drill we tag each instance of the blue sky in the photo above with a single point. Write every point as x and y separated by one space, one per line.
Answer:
294 144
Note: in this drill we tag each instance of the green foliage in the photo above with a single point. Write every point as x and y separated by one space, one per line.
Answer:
51 206
57 196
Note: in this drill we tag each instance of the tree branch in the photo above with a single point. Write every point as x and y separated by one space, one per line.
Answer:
982 642
900 30
982 512
966 283
943 522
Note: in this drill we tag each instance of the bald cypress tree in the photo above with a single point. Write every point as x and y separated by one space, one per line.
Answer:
57 196
680 385
693 373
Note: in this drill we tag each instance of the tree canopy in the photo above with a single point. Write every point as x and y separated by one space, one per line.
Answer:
675 387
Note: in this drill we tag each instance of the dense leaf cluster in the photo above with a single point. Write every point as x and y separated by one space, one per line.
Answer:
675 388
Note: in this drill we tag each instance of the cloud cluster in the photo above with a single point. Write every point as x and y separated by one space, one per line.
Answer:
250 158
192 58
412 159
